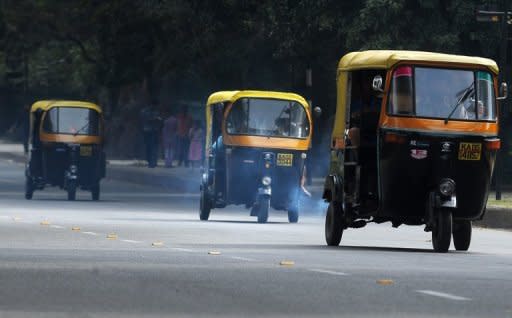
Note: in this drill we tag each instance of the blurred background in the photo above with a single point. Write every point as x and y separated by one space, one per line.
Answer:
125 54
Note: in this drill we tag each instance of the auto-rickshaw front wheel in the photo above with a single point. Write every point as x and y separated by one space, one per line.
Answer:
462 235
334 224
442 230
263 207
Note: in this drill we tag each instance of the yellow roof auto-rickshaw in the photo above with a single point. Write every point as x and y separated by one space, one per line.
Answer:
256 146
414 142
66 147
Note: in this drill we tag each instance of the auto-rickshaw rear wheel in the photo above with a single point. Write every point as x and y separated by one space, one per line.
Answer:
95 192
462 235
204 205
334 224
293 212
293 215
71 187
29 188
442 230
263 207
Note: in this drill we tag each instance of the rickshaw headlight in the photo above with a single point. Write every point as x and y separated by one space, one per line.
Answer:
266 181
447 187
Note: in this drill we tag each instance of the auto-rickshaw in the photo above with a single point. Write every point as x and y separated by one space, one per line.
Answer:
65 147
414 142
256 146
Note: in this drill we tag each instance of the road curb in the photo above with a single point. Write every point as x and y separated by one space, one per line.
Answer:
496 218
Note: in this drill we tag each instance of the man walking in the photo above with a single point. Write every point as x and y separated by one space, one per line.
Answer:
184 125
169 139
151 125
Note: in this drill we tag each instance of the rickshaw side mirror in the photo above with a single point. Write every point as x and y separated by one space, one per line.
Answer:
377 84
503 91
317 111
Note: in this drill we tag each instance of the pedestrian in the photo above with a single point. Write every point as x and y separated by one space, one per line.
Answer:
151 126
195 153
184 124
169 139
25 126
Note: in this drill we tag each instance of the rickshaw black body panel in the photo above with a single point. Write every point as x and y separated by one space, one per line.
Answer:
56 159
246 166
413 167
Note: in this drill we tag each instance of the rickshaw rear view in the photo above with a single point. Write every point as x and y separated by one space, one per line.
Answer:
256 144
66 148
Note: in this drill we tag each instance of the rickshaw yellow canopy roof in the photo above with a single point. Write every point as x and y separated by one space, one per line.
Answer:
48 104
271 95
220 97
232 96
386 59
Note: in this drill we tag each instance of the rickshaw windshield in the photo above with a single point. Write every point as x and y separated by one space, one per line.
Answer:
268 117
442 93
72 120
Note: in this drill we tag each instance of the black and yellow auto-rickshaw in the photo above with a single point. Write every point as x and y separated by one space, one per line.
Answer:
256 145
414 142
65 147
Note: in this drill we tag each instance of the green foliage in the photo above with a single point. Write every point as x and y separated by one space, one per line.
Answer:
186 49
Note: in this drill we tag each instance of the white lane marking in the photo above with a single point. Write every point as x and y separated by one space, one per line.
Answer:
131 241
182 249
443 295
56 226
323 271
89 233
243 258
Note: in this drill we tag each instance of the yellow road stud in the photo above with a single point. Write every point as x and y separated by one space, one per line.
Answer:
45 222
112 236
214 253
157 244
75 228
385 282
287 263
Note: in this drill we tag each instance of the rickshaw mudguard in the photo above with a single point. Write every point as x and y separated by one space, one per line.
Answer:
333 189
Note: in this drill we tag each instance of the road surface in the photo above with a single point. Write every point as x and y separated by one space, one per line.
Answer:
141 252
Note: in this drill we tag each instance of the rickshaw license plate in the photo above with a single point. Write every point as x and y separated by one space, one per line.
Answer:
285 159
86 151
470 151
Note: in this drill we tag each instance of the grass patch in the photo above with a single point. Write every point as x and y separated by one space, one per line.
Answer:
505 202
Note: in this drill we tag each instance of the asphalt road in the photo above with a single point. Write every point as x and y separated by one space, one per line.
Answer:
57 260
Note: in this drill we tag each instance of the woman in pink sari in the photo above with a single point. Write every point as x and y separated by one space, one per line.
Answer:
195 152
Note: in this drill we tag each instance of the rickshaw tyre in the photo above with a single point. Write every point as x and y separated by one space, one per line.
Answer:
95 192
442 231
264 206
72 192
293 215
29 189
462 235
333 224
204 207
